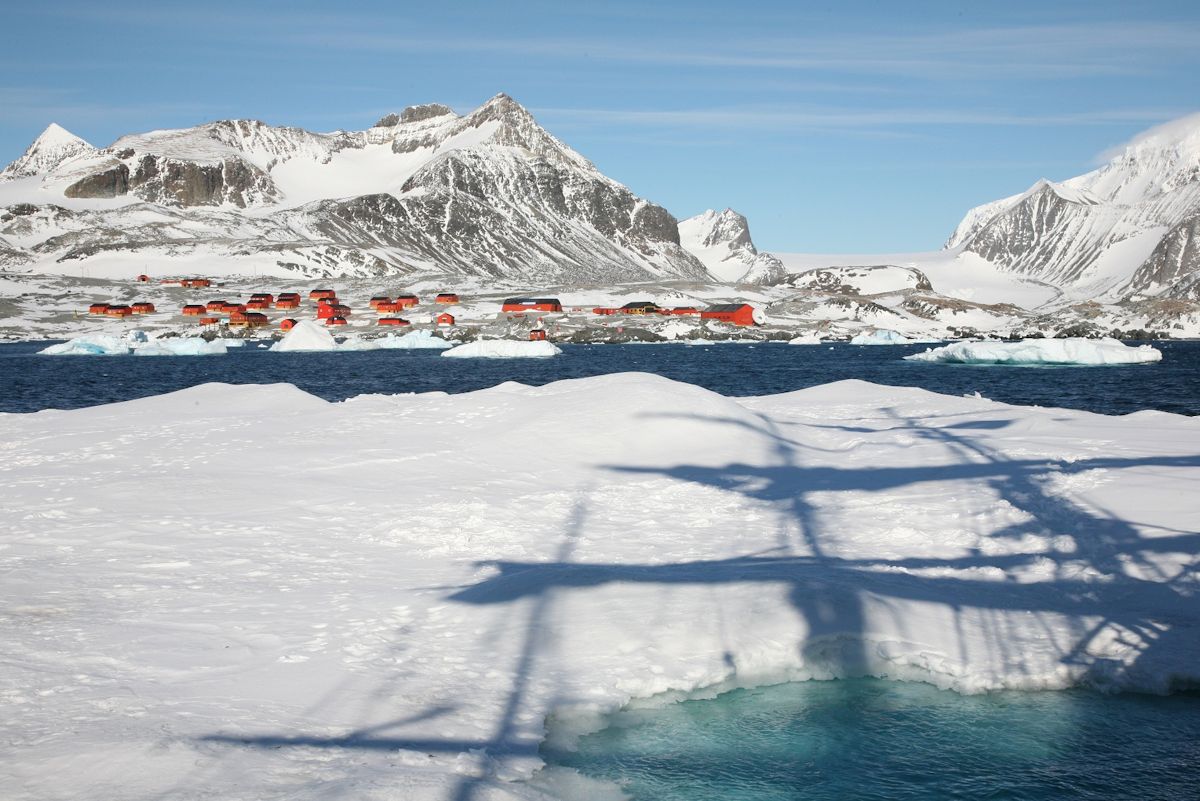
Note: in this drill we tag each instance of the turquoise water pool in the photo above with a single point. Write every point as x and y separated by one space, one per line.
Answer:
870 739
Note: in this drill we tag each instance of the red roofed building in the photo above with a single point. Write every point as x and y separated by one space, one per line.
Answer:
445 318
734 313
519 305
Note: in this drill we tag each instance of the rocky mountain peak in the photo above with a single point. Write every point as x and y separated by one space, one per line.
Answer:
52 147
418 113
516 127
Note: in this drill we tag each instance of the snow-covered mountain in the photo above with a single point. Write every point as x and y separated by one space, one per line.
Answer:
1126 228
721 241
489 194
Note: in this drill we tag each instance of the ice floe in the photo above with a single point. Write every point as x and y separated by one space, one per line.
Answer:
1076 351
503 349
246 591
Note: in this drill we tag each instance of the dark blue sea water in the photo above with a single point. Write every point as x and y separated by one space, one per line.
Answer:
871 740
33 382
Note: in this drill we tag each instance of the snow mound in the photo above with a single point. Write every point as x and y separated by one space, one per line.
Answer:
306 336
880 336
90 345
181 346
414 340
503 349
807 339
1078 352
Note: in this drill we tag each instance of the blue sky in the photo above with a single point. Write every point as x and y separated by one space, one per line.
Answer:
833 126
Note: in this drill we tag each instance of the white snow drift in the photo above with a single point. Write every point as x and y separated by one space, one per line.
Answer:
248 592
1083 352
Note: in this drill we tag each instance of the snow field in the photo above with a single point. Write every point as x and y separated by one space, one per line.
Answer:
247 592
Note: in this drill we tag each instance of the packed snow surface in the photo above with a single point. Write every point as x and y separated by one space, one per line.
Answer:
306 336
503 349
880 336
248 592
806 339
1041 351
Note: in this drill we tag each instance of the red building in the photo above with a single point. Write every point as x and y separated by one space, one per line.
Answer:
407 300
681 311
143 308
283 303
639 307
287 324
322 294
446 297
266 297
604 310
248 320
194 310
335 321
288 297
195 282
208 321
393 321
144 278
537 334
735 313
119 311
327 309
376 301
98 308
520 305
215 305
445 318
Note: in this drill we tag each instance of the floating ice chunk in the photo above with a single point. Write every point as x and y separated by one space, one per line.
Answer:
91 345
182 346
136 335
880 336
414 340
503 349
306 336
1041 351
354 343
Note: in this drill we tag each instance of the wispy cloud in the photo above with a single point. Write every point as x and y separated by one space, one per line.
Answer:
845 119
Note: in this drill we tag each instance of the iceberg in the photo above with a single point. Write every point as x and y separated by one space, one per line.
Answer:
880 336
1032 352
182 346
90 345
414 340
503 349
306 336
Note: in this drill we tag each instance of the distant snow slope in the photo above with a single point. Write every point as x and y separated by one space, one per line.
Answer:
722 243
247 592
426 191
1095 235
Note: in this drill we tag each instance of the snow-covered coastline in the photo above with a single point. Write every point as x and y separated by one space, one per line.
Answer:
249 592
